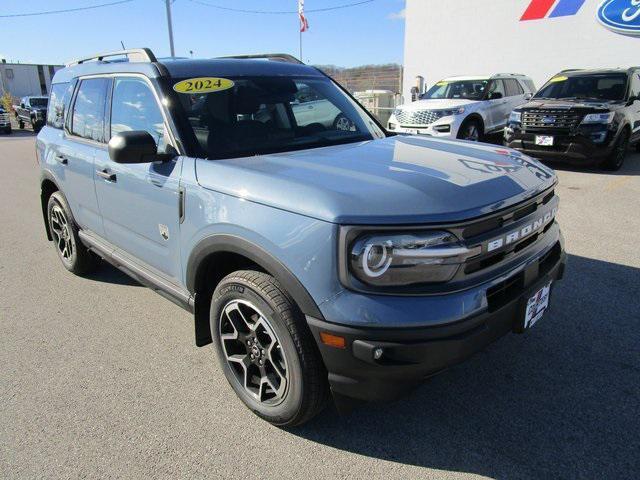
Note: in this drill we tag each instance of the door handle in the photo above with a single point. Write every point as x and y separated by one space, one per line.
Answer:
61 159
108 176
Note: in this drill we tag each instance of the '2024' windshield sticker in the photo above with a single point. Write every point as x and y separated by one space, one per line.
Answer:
203 85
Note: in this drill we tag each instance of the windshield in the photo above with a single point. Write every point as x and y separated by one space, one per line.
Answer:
465 89
38 102
608 86
258 115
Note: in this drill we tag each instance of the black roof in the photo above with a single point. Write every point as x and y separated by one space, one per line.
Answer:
221 67
595 71
185 68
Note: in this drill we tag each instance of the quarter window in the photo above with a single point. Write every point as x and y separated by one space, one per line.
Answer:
88 110
134 107
60 95
513 87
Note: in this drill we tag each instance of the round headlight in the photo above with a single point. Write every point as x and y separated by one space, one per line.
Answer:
376 258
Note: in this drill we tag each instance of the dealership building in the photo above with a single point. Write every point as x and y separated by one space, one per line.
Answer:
537 38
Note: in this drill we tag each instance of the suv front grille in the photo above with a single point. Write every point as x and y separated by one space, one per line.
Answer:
550 119
417 117
4 117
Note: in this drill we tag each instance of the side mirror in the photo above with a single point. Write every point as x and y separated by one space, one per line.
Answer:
633 99
495 95
133 147
21 104
528 96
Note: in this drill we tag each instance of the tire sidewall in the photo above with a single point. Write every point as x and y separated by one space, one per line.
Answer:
465 125
238 288
57 199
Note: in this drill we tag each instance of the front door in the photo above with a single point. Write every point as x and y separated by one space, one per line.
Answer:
139 203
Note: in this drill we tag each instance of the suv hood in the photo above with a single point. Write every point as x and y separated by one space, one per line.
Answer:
436 104
576 103
395 180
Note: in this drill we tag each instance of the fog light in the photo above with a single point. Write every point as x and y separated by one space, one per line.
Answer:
377 353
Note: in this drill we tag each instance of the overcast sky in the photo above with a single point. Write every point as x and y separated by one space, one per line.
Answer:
368 33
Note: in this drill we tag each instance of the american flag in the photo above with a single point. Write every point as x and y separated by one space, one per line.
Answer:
304 24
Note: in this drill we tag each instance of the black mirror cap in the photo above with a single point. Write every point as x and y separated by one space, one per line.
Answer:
135 146
632 99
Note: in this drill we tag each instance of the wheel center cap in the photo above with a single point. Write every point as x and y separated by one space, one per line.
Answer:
255 351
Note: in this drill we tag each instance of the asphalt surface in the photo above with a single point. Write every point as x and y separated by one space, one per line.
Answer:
99 377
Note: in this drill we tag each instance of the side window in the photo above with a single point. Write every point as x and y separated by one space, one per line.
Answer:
58 101
87 120
635 84
134 107
497 86
516 88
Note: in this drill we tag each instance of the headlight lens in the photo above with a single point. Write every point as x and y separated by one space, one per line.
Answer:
383 260
515 117
599 118
452 111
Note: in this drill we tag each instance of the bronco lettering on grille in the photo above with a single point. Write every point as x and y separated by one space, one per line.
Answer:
522 232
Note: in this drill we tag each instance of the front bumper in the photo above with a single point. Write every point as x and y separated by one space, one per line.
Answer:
572 149
413 354
445 127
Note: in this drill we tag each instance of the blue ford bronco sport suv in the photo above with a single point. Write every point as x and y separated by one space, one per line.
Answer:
319 257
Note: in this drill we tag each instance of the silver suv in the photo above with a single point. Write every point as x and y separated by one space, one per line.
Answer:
467 108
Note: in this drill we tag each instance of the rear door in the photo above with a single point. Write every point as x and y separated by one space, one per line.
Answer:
139 203
498 107
634 109
83 137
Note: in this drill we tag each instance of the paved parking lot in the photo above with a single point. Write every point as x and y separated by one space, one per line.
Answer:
100 377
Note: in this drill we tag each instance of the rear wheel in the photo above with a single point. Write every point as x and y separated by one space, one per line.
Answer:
616 158
470 130
266 350
74 255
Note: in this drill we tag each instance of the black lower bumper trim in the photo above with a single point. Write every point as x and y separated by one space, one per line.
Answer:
411 355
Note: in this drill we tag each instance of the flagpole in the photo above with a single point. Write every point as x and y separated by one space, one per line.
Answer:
300 44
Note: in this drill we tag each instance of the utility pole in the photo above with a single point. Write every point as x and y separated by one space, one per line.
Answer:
170 27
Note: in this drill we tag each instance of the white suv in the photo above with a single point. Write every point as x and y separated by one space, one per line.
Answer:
464 107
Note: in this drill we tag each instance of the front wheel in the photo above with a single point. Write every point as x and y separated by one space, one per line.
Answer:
470 130
266 350
615 160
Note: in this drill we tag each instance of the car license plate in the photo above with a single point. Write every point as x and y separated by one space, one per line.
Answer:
544 140
536 306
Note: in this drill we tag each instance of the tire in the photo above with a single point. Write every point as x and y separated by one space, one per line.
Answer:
73 254
615 160
252 314
21 124
471 130
638 147
8 130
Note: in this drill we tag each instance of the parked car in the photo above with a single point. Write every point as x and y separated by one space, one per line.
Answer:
5 121
583 117
315 259
467 108
32 111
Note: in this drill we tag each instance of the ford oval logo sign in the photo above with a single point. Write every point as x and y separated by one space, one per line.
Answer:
620 16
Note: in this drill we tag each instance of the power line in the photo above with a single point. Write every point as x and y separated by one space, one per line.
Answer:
78 9
280 12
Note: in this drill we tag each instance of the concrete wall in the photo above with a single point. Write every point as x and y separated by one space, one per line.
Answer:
478 37
26 80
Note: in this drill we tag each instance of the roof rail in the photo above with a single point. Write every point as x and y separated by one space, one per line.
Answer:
571 70
508 74
134 55
278 57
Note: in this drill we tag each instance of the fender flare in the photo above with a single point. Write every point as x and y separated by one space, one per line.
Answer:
220 243
46 175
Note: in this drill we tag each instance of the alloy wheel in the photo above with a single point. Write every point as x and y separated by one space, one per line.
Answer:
253 352
471 133
62 234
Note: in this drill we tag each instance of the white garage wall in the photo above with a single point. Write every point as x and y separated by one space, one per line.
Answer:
470 37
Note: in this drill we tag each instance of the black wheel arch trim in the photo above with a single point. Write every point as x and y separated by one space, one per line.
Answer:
224 243
46 175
